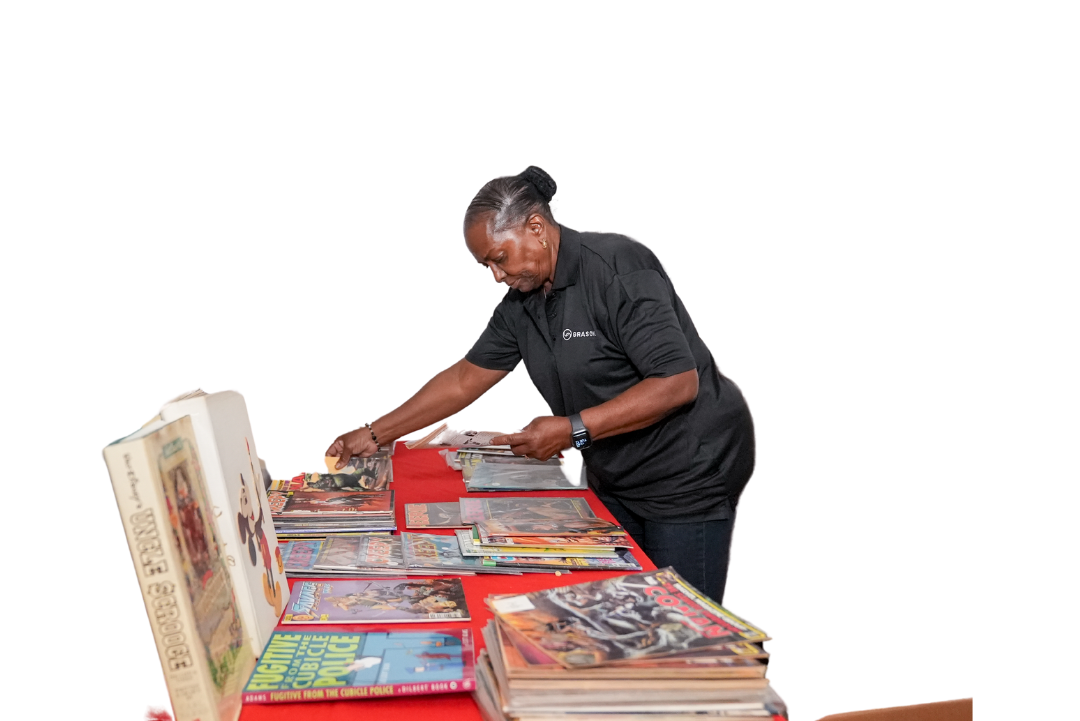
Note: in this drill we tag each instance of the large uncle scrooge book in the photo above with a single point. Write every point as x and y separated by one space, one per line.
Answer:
182 569
234 482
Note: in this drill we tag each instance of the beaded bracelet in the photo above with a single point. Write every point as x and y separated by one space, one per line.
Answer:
372 432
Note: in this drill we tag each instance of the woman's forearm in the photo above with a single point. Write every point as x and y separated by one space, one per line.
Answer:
641 405
444 395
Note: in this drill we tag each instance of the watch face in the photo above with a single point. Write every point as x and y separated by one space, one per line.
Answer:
580 443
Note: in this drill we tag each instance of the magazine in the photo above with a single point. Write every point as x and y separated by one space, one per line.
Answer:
641 615
298 557
516 477
523 509
433 515
552 527
470 547
367 553
443 437
329 666
332 503
377 600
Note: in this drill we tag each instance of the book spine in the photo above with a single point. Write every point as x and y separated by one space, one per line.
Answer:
140 500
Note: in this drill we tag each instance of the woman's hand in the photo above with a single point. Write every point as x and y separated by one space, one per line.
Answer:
353 443
543 438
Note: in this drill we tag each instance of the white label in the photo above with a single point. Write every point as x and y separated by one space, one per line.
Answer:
514 604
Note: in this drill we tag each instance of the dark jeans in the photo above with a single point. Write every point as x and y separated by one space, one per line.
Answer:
698 551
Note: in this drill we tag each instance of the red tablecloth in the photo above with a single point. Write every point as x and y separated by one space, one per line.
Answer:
421 476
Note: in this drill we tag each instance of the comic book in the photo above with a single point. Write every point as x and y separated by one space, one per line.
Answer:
378 600
623 561
581 543
469 546
332 503
633 617
516 477
442 437
424 551
468 461
362 553
361 474
332 666
433 515
551 527
530 508
299 557
182 568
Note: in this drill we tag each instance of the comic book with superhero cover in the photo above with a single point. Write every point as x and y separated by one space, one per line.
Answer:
433 515
568 528
425 551
336 503
304 665
633 617
378 600
532 508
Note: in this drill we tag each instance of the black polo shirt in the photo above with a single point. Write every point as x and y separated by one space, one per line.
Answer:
611 320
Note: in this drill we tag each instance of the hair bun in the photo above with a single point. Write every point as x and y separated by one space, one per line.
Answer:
541 181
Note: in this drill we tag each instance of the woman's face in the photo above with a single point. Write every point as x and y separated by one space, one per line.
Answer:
519 257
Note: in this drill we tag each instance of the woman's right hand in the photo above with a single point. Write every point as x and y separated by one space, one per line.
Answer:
353 443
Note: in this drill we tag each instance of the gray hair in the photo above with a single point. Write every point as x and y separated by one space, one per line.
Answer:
512 199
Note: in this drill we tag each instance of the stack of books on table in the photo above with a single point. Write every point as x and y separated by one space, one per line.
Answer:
553 533
374 473
642 646
310 515
439 554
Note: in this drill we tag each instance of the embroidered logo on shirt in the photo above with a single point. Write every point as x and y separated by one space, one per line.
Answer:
568 334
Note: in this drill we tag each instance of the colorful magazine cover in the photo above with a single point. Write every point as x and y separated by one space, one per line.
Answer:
337 503
469 546
299 556
554 527
370 551
318 666
424 550
523 509
579 542
433 515
624 561
395 600
638 616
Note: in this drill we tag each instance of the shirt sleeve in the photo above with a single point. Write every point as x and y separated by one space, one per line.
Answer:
647 325
497 347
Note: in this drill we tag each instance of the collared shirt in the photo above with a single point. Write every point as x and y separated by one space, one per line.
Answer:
611 320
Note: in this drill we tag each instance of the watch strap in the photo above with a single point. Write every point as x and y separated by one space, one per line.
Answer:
576 426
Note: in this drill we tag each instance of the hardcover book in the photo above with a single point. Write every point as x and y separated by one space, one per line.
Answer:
321 666
395 600
234 483
182 567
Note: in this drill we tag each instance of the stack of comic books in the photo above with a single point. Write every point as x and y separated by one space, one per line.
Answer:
316 514
316 665
439 554
555 533
635 646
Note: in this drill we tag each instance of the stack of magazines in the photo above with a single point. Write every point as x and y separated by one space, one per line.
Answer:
646 645
434 554
532 533
316 514
374 473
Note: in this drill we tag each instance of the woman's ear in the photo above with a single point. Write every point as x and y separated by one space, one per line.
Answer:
536 225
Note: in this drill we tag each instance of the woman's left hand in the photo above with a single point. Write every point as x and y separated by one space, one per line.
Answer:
543 438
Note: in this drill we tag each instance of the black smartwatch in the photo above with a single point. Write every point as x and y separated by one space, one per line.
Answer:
579 434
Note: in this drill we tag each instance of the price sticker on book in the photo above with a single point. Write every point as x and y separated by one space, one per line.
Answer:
514 604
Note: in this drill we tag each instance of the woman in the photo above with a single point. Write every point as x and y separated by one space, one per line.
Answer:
668 441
